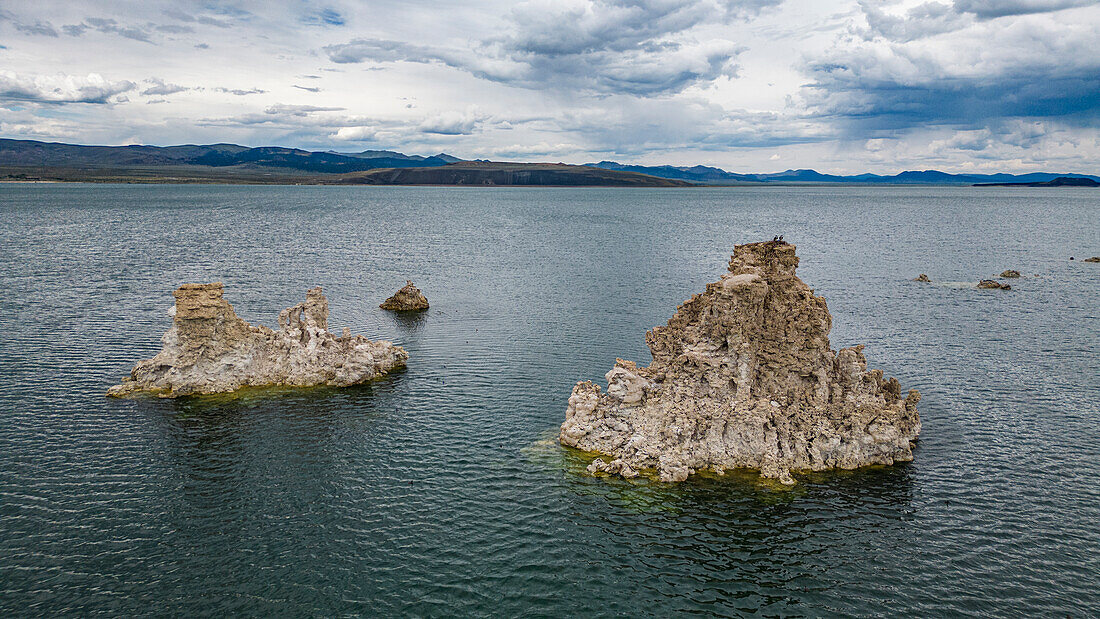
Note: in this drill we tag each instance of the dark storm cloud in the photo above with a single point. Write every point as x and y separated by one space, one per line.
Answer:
989 9
601 46
602 26
933 18
1034 70
637 72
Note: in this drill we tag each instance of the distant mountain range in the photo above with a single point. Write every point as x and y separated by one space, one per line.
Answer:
230 163
718 176
28 153
390 154
488 173
25 160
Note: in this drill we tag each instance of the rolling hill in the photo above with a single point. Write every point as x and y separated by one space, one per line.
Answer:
231 163
487 173
718 176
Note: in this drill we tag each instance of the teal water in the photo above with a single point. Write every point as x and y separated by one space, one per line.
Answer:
439 490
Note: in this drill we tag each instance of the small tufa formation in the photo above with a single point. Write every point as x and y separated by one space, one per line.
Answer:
993 285
1093 259
209 349
921 278
743 377
1010 273
408 299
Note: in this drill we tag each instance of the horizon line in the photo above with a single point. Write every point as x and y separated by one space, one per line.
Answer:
587 164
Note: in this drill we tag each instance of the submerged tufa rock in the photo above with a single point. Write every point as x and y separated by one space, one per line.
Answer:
1093 259
1010 273
407 299
743 377
993 285
209 349
921 278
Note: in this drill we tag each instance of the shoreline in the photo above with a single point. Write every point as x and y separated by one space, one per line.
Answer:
253 183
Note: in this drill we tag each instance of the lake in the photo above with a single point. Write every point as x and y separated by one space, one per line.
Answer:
441 490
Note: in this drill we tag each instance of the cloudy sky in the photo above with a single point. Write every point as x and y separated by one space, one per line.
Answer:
748 85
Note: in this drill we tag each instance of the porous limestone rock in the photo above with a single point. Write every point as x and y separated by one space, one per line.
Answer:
1093 259
615 467
1010 273
993 285
743 377
407 299
921 278
209 349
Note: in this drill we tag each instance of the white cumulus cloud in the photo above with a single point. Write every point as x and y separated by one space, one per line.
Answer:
60 88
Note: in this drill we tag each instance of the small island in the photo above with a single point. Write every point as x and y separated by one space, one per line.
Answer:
408 299
743 376
1061 181
209 349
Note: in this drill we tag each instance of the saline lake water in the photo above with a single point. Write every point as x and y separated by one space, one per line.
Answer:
440 490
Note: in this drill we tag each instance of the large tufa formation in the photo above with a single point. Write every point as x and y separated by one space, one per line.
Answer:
408 299
743 377
209 349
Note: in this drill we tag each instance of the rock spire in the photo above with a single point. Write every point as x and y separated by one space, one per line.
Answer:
743 377
209 349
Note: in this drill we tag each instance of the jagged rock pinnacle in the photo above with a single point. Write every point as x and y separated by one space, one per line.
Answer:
743 377
408 299
209 349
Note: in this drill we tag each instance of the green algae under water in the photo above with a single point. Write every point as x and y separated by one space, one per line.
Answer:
440 490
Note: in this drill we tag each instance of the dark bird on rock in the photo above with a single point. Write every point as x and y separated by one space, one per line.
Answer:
780 238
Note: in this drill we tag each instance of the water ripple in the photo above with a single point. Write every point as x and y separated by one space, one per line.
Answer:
440 490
